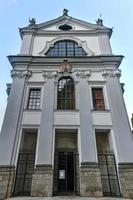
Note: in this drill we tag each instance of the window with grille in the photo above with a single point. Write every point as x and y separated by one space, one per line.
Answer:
66 94
34 99
66 48
98 99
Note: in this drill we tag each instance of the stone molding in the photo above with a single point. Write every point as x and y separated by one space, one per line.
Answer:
50 74
111 73
21 74
90 180
126 179
7 174
83 74
42 181
80 43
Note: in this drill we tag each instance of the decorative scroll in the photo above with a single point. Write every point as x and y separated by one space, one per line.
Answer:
20 74
83 74
50 74
65 67
111 73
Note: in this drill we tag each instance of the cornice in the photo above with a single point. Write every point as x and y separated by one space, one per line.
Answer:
72 32
43 60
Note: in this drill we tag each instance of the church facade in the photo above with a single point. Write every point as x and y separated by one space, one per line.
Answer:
66 129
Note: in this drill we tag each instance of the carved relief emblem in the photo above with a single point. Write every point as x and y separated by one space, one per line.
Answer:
65 67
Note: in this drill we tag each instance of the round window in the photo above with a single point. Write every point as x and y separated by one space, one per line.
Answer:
65 27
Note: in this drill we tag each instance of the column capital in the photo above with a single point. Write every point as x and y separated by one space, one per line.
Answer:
21 73
111 73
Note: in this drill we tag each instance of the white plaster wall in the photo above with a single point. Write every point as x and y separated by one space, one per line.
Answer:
101 118
96 76
40 43
36 77
31 118
66 118
26 44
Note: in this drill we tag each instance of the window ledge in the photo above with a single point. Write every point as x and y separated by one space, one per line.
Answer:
107 110
30 110
56 110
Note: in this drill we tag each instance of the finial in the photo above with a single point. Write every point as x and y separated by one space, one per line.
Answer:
32 21
99 20
65 12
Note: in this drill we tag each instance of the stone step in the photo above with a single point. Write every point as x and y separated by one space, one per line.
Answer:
65 198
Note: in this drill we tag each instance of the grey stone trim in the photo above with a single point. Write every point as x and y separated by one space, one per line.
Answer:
42 181
106 60
126 179
83 73
90 180
21 74
50 74
7 174
111 73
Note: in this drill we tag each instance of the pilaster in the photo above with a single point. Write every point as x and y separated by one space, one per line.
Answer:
12 116
45 138
87 140
120 121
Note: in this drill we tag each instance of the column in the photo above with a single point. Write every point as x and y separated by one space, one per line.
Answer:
122 133
42 181
9 132
90 180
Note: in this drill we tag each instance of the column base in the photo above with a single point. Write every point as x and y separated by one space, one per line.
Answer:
126 179
90 180
6 181
42 181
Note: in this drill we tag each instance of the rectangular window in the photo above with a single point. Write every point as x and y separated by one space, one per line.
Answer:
34 99
98 99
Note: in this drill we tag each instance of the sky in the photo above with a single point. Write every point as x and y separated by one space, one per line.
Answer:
115 13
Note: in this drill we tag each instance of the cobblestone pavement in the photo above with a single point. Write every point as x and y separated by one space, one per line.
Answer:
65 198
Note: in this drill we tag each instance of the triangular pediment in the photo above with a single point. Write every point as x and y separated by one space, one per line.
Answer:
76 25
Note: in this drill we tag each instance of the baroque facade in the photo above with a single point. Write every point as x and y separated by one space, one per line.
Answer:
66 129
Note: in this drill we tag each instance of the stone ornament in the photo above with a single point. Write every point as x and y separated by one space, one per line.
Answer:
83 74
21 74
50 74
111 74
65 67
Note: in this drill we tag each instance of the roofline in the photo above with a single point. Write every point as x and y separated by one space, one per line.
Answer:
36 27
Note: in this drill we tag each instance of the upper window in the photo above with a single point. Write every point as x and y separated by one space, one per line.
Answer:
65 48
98 99
66 94
34 99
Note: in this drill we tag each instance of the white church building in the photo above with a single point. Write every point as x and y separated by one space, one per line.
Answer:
66 129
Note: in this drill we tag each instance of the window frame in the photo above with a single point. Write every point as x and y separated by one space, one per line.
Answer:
66 99
106 104
29 87
98 98
65 49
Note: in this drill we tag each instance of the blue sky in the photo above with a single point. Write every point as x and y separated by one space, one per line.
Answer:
115 13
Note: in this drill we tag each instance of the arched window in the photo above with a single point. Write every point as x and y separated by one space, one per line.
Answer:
66 48
66 94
